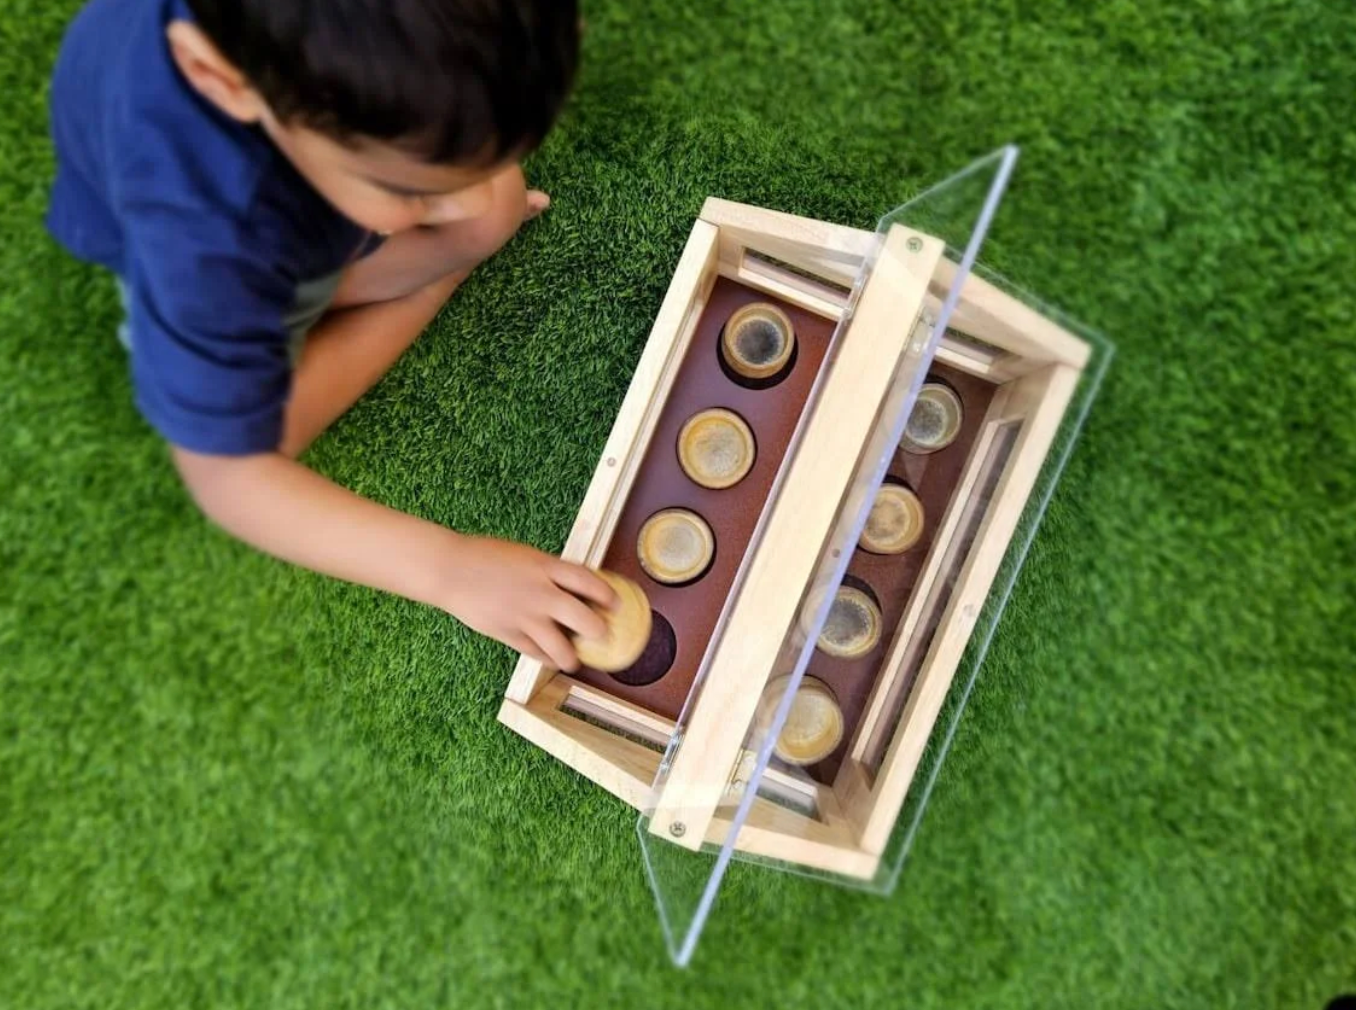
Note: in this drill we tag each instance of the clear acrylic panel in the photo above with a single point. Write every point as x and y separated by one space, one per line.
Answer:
907 816
706 810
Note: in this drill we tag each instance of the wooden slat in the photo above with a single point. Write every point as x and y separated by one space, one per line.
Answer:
622 767
788 287
621 714
973 362
832 251
784 561
627 770
774 832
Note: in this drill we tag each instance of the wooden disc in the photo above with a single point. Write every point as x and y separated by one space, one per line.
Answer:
758 340
675 546
895 523
853 626
935 421
814 726
628 628
716 448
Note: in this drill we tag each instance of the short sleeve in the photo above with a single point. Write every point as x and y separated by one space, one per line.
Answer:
207 303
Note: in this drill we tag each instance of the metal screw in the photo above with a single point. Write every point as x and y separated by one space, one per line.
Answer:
677 829
915 244
611 461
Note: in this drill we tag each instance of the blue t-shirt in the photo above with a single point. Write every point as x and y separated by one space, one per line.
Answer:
210 228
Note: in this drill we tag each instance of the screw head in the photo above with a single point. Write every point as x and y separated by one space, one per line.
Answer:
677 829
915 244
611 461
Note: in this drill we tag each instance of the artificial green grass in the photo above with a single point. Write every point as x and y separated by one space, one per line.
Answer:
225 783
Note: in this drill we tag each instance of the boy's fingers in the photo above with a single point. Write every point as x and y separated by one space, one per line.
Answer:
525 645
537 203
583 583
552 641
574 615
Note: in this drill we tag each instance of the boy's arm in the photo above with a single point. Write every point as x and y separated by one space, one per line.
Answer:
518 595
348 352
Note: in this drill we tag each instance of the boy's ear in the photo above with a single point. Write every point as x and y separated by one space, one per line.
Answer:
212 75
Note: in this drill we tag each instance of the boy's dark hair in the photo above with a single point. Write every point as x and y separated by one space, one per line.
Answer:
452 81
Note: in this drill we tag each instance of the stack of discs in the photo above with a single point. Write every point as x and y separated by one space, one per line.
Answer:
716 448
895 523
628 628
814 725
758 341
935 421
675 546
853 626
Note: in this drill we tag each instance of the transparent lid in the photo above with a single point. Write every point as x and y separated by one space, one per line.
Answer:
735 770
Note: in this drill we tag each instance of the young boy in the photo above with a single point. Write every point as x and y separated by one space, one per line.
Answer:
288 191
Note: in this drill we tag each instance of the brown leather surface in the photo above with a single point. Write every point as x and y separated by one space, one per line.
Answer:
660 483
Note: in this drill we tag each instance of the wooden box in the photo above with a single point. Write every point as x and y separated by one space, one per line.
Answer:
682 748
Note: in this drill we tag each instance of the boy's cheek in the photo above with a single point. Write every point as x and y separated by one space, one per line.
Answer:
379 217
463 206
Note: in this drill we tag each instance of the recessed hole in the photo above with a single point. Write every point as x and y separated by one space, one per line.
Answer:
658 657
758 346
760 384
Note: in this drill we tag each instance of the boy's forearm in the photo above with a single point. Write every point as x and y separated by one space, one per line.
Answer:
281 508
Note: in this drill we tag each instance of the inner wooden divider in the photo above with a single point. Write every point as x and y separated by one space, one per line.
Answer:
694 609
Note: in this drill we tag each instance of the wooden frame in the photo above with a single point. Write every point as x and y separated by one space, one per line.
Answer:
843 827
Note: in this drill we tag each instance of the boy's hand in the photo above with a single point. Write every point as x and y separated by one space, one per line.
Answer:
528 600
524 598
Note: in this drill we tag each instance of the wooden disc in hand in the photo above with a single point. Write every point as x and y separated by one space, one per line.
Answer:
628 628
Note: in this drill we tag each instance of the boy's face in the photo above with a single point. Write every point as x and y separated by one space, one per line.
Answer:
376 185
380 187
